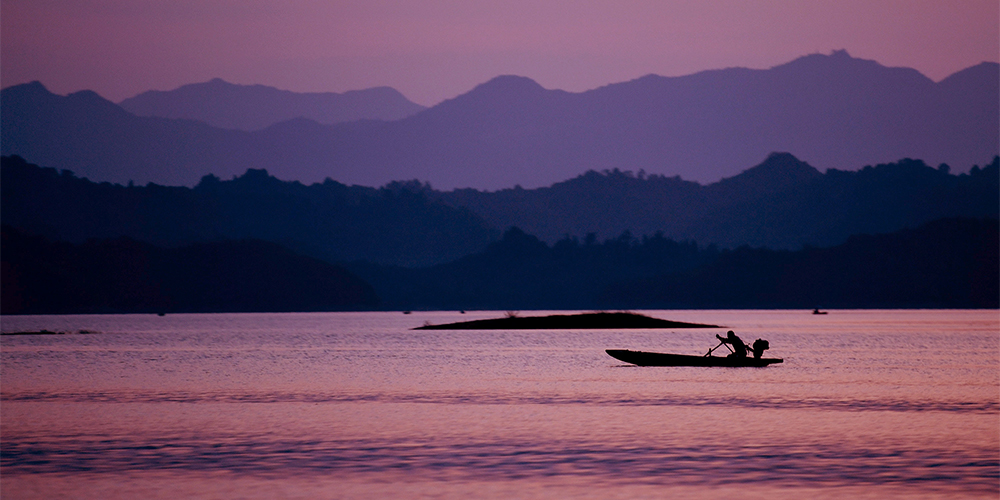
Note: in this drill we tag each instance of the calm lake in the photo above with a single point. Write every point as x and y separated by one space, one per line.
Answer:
867 404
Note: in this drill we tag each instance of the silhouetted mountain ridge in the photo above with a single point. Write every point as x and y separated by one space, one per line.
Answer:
949 263
406 224
833 111
253 107
777 173
330 221
781 203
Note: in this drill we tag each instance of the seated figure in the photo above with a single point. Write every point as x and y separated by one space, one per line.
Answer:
739 348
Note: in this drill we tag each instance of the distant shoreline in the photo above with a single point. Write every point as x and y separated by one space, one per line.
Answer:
584 321
47 332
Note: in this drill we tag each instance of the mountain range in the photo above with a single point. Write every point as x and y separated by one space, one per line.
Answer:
330 221
253 107
833 111
782 203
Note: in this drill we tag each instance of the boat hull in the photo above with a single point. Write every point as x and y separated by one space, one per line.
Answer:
660 359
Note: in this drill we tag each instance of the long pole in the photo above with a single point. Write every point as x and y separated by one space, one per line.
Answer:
709 353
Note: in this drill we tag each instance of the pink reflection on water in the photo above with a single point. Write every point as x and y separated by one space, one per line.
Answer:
884 404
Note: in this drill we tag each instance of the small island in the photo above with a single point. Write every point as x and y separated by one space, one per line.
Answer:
47 332
596 320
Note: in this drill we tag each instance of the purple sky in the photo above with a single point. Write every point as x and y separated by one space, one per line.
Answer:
435 50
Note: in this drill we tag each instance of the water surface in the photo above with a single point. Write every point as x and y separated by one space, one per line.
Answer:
356 405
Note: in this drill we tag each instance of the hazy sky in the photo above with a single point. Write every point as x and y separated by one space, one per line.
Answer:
435 50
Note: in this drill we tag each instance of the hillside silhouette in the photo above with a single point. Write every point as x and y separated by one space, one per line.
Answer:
91 135
395 224
950 263
127 276
254 107
521 272
833 111
416 252
781 204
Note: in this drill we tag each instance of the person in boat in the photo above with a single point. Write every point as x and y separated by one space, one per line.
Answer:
739 348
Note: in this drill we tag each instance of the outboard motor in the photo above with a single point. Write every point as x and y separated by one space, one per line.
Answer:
759 346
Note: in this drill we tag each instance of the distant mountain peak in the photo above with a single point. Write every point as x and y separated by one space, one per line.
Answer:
215 88
31 91
839 57
255 107
33 87
256 178
508 85
33 94
778 157
777 172
841 65
835 59
784 164
498 96
975 77
88 95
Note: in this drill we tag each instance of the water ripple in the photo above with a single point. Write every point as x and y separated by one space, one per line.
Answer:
975 470
976 407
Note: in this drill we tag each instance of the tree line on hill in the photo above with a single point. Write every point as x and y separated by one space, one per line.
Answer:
328 221
75 245
127 276
781 204
950 263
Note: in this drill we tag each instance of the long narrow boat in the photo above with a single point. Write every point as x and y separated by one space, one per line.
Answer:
659 359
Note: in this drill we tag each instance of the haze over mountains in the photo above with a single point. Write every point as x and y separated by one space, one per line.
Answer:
253 107
833 111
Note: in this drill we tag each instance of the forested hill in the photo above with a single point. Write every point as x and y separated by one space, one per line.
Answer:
780 203
127 276
396 224
418 252
950 263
